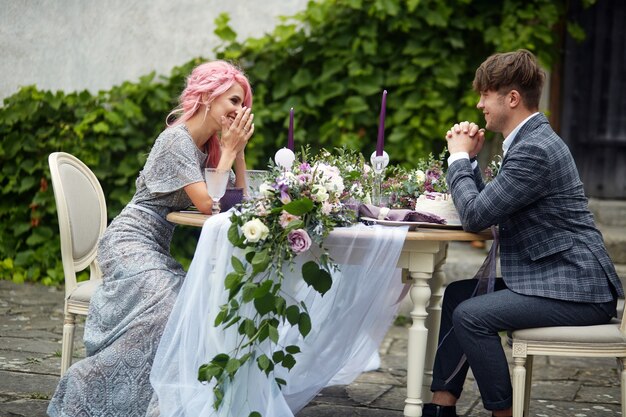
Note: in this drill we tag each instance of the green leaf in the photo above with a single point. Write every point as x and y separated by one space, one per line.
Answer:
278 356
263 361
233 235
304 324
319 279
281 382
263 289
299 207
293 349
289 361
222 29
232 280
293 314
220 360
238 265
260 261
264 304
255 414
232 366
273 334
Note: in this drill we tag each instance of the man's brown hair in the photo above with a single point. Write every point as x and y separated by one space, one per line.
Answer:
508 71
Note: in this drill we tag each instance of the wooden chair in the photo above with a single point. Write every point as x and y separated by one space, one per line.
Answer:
601 341
81 209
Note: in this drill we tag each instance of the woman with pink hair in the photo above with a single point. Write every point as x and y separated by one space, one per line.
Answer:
141 279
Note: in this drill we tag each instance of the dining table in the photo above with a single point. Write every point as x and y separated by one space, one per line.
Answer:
421 261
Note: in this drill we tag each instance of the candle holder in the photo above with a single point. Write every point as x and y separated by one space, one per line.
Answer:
379 165
284 158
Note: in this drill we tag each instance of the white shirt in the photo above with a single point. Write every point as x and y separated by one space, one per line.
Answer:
505 145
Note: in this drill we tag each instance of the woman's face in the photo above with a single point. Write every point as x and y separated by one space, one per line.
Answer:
227 105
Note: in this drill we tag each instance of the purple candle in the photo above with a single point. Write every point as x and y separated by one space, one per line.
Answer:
290 135
381 126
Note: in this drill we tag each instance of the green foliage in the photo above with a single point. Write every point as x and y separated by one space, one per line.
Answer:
111 132
330 62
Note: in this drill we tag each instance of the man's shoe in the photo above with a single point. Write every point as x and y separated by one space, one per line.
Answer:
434 410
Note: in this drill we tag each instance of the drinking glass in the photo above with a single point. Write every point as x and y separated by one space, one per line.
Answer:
216 180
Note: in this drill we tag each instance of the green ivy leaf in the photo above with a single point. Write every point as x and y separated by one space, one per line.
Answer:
255 414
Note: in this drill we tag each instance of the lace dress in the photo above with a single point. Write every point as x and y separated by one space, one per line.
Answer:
141 280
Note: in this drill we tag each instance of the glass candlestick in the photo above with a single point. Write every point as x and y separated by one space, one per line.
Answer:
379 165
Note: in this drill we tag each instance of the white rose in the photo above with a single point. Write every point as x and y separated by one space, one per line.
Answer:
319 194
420 177
254 230
266 189
335 184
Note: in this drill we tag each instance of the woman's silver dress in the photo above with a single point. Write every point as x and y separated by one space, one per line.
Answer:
141 280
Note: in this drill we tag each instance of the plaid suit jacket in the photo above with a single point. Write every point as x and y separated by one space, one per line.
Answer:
550 246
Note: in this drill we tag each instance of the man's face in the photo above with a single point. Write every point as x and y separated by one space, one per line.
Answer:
494 109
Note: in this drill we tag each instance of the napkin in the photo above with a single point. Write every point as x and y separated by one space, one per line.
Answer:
399 215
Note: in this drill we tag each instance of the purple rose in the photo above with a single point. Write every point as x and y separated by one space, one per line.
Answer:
299 240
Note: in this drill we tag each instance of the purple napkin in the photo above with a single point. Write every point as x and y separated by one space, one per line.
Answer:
399 215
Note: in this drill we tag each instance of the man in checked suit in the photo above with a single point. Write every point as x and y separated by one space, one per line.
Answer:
555 268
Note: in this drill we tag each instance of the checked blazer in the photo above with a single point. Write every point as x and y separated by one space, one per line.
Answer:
549 244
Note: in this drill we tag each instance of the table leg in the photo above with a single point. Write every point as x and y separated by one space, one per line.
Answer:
432 324
417 342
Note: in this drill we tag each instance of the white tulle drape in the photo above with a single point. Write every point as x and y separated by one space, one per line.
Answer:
348 324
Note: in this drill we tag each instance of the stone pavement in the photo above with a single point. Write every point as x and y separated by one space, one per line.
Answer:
31 321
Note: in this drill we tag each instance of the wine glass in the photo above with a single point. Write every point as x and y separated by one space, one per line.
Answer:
216 180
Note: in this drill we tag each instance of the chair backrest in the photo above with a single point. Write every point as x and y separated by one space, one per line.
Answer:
82 213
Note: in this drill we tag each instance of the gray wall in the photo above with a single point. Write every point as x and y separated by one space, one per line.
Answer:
73 45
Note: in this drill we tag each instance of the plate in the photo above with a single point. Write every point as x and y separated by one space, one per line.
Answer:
412 225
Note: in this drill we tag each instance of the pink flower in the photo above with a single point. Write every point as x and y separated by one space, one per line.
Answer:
299 240
286 218
304 178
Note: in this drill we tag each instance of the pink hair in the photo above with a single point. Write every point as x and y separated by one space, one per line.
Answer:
212 79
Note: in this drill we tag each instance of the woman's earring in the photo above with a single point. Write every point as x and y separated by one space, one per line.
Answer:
206 110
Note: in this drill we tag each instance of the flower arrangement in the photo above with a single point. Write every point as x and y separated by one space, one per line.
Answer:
493 168
404 186
297 209
357 174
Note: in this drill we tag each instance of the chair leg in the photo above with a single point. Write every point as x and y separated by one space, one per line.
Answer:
622 368
519 382
68 341
527 384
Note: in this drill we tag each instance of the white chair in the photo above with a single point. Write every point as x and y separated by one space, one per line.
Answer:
601 341
81 209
